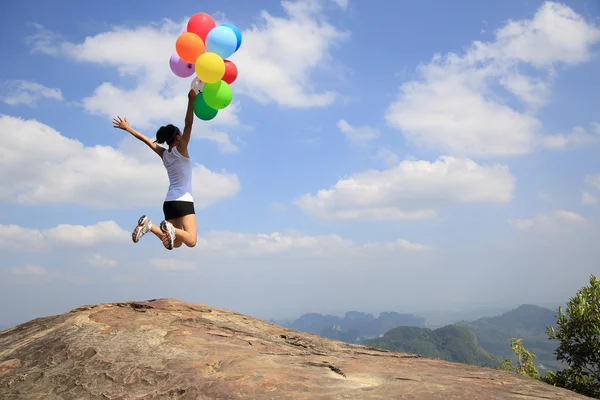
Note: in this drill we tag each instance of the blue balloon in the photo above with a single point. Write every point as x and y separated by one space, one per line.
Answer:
221 40
237 32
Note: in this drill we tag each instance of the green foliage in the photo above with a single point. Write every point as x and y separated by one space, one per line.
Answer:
578 330
525 358
579 334
574 380
450 343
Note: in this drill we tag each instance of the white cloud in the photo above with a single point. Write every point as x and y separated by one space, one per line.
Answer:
387 156
593 181
358 134
236 244
455 108
558 220
538 42
215 244
588 199
279 55
448 114
15 237
43 40
411 190
171 264
221 138
534 91
28 93
79 235
53 169
578 137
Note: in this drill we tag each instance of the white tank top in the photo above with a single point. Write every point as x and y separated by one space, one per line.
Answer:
179 169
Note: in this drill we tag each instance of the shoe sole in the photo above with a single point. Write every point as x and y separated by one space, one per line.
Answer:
139 226
167 232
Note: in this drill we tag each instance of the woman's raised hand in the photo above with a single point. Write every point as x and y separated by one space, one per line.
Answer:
120 123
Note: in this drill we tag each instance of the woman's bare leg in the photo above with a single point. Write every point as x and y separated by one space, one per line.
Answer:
156 230
145 225
184 231
187 232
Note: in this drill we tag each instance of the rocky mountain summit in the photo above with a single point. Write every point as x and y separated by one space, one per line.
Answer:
168 349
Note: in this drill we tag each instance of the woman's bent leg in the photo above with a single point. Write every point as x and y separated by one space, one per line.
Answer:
156 230
191 230
189 233
183 229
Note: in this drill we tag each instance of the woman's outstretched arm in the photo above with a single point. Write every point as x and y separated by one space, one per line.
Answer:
189 121
122 123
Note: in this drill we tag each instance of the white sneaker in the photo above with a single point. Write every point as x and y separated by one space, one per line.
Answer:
143 227
169 230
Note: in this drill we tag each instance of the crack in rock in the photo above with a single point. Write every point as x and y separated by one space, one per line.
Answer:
325 364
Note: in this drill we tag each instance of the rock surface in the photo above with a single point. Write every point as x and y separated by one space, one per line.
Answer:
167 349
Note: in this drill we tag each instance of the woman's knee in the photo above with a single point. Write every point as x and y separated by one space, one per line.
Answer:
191 241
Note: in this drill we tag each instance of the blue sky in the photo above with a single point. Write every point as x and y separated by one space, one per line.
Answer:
373 153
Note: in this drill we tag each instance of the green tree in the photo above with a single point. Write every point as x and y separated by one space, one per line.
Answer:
525 365
578 330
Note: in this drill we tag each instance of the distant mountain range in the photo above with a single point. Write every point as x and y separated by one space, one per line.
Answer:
526 321
484 341
354 326
451 343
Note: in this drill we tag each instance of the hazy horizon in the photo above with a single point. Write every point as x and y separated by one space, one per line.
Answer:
440 313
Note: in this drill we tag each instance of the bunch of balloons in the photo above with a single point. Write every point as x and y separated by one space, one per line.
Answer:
204 49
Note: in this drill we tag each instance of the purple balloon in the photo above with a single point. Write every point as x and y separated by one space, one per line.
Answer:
181 68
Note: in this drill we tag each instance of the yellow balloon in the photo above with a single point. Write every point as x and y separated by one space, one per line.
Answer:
210 67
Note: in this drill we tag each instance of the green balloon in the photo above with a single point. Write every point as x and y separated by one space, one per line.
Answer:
203 110
217 95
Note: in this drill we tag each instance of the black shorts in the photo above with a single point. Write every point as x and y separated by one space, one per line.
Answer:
177 209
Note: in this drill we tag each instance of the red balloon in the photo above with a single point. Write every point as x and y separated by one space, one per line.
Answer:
231 72
201 24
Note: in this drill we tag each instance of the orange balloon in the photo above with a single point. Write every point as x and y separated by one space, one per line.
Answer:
189 46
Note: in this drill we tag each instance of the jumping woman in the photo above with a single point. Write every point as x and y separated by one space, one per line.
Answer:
179 225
